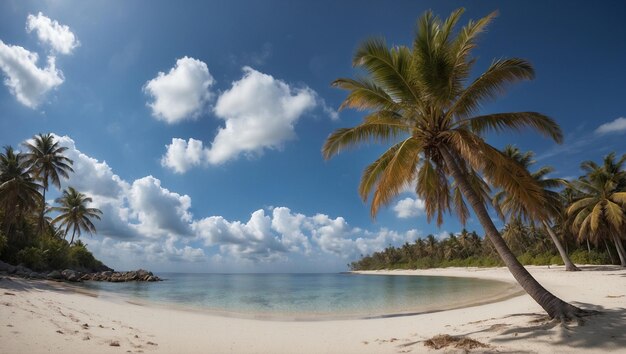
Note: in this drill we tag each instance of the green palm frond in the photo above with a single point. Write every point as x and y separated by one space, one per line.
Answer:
365 95
490 85
516 121
388 68
380 126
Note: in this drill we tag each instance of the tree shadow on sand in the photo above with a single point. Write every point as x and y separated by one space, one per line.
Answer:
600 332
31 285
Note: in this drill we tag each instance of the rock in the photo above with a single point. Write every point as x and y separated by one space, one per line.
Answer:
114 343
54 275
35 275
115 277
22 271
4 267
71 275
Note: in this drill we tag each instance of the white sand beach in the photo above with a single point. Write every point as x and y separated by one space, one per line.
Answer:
45 317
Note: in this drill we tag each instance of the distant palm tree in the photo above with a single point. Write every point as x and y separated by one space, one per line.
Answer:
599 212
74 213
19 192
507 204
420 99
48 164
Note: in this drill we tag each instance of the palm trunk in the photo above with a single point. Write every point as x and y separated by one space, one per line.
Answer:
620 249
608 250
43 210
73 233
569 266
555 307
588 246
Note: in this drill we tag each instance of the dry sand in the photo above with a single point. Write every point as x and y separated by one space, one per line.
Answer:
43 317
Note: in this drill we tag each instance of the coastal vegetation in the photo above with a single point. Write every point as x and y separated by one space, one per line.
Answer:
532 243
421 99
28 235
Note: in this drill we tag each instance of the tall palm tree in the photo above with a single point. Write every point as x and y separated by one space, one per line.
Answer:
507 204
599 213
74 213
420 99
48 164
19 193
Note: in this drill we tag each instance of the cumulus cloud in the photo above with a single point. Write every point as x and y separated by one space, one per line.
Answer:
283 233
182 93
25 80
143 221
259 112
409 207
52 33
141 209
159 211
90 175
252 240
182 155
616 126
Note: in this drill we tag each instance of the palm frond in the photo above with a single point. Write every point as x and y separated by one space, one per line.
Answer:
517 121
490 85
379 126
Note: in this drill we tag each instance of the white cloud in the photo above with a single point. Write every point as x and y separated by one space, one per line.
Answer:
27 82
259 113
284 234
159 211
182 155
90 175
409 207
182 93
141 209
616 126
50 32
145 224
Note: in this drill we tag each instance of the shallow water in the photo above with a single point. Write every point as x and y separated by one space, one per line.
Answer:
309 295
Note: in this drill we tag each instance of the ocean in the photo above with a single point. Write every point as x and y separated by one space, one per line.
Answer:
307 296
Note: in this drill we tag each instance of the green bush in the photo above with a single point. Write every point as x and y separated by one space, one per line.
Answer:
33 258
55 251
593 257
556 260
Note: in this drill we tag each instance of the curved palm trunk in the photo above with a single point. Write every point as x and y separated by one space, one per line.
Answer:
620 249
555 307
569 266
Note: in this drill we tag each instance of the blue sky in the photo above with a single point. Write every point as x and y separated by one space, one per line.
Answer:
249 81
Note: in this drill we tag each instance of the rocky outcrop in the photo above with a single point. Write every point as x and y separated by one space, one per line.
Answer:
118 277
77 276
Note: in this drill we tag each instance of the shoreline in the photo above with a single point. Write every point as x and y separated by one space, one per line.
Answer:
37 318
510 291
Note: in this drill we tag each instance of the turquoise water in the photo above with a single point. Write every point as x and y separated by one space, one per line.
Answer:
308 295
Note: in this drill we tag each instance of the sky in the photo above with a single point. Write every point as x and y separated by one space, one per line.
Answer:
196 127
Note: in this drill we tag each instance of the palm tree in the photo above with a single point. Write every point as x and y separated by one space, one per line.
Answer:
74 213
507 204
19 193
420 99
48 164
599 211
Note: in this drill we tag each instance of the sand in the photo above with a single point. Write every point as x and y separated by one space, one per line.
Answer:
44 317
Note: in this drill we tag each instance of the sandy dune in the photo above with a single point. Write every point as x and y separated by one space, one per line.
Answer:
43 317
